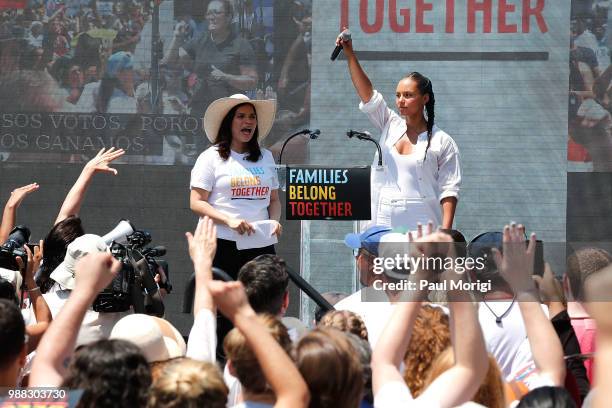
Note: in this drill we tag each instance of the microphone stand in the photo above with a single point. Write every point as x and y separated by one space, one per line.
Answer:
365 136
313 135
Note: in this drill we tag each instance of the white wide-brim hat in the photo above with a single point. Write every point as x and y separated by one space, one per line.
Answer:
265 110
157 338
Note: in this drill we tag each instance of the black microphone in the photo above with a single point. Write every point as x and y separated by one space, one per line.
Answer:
344 36
313 134
365 135
360 135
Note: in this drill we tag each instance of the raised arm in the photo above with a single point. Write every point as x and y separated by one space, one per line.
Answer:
39 305
281 373
360 79
202 337
459 383
9 216
74 199
516 267
93 273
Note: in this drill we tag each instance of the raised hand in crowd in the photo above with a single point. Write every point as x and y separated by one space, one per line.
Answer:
202 341
551 291
516 266
9 215
99 164
42 313
284 378
93 273
458 384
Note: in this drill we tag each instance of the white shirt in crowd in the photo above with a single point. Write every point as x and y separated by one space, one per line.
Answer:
506 341
432 178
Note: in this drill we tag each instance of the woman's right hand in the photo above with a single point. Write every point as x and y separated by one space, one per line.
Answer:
347 46
240 226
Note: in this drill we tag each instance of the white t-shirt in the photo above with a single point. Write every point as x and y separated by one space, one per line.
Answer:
507 341
238 187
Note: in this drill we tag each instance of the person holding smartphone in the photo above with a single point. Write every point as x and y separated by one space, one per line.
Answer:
422 169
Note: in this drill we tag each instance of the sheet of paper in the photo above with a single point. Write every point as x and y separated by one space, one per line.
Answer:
261 238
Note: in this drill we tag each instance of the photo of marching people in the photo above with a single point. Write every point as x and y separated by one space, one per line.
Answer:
590 92
150 69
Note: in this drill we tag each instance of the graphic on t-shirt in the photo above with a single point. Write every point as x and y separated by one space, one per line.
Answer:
246 184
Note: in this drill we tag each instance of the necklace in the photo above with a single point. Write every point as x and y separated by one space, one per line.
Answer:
498 319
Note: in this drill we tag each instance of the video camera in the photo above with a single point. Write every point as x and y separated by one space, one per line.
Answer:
13 248
134 286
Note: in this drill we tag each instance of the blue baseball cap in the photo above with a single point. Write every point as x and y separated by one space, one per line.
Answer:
118 62
368 239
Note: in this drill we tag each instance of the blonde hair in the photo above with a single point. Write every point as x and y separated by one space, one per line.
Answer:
345 321
430 337
189 383
243 360
330 366
491 391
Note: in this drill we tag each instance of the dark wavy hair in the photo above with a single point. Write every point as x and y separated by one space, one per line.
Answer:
54 248
113 373
224 136
425 88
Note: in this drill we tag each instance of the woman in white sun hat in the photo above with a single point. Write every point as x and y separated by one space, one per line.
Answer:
234 182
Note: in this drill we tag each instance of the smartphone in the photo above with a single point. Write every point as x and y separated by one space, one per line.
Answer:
32 245
538 262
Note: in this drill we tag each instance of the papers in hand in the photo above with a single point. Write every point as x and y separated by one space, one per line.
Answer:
261 238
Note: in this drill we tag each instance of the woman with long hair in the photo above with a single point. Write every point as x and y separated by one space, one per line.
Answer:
422 175
234 181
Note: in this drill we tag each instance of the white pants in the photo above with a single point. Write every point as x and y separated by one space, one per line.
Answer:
396 211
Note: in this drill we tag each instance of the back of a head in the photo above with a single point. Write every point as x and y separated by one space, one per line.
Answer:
481 247
243 360
582 264
346 321
12 333
330 366
547 397
430 337
189 383
332 298
113 373
491 391
55 244
265 280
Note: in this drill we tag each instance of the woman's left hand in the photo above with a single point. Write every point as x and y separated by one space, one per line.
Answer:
278 228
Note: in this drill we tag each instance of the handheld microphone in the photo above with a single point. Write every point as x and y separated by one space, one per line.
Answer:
345 36
352 133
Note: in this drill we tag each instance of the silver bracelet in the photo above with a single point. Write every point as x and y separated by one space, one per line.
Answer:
33 289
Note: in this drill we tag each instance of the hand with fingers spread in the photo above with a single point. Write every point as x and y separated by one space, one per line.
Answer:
203 243
9 216
101 161
241 226
516 263
18 194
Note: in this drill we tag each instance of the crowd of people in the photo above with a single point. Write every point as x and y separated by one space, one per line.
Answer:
590 111
95 57
529 342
